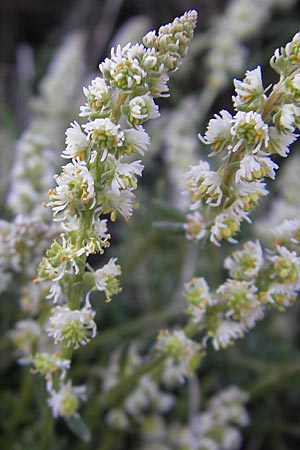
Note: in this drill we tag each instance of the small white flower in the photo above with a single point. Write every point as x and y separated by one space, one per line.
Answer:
281 296
280 141
253 167
245 263
72 327
288 230
250 91
55 292
98 95
123 70
218 133
286 266
106 135
145 395
125 175
249 194
76 141
241 301
198 298
106 278
122 203
181 351
136 140
250 129
226 333
204 184
65 401
117 418
194 226
100 228
288 116
75 185
227 224
142 108
47 364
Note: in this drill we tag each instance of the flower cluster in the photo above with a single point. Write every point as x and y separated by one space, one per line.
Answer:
101 179
217 427
146 399
262 125
183 356
259 280
21 244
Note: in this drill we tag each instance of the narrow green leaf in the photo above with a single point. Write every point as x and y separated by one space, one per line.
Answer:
79 428
170 227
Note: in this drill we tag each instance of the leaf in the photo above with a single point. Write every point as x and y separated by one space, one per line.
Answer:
166 209
170 227
79 427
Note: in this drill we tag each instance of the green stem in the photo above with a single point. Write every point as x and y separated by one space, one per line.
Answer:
134 326
274 98
117 393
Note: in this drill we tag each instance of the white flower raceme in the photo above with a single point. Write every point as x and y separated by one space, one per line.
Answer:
37 150
99 180
72 327
65 401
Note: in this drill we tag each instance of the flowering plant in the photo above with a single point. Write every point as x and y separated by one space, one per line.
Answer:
138 384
